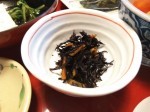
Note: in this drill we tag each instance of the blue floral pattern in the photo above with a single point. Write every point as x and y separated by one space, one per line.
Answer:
142 28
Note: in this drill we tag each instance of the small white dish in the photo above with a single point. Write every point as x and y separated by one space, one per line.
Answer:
15 87
143 106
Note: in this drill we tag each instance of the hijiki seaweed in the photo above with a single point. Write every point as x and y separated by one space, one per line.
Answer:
81 63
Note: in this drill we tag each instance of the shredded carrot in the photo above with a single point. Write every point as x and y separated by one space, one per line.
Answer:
77 50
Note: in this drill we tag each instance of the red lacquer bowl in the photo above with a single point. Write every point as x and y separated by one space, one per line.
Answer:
14 35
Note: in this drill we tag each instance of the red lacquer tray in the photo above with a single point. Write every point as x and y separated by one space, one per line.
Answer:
45 99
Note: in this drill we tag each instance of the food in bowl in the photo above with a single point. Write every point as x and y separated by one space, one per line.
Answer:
121 43
81 62
143 5
104 5
13 34
140 22
21 12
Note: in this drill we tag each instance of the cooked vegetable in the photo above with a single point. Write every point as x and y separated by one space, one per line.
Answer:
81 63
22 12
148 13
143 5
104 5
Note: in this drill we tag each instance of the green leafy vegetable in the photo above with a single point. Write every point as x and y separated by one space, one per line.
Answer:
104 5
22 12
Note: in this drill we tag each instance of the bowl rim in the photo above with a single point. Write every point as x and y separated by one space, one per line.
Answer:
135 10
85 92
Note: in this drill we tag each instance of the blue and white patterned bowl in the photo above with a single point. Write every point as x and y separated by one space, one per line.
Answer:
140 22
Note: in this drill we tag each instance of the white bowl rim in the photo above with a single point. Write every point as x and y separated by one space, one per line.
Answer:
135 10
84 92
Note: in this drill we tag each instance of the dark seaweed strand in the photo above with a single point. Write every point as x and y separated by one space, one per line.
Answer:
86 66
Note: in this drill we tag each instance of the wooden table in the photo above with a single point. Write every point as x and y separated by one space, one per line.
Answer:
45 99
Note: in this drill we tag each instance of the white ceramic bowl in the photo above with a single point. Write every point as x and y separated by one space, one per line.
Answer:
15 87
140 22
121 42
